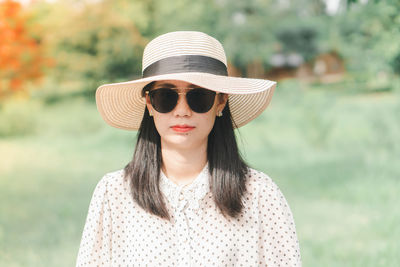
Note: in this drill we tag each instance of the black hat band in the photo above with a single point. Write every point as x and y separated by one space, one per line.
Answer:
186 63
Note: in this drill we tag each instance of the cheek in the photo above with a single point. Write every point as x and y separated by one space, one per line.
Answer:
207 123
160 123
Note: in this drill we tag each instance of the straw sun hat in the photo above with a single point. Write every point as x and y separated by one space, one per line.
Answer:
188 56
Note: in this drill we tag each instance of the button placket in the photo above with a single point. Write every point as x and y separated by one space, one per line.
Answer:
183 230
185 204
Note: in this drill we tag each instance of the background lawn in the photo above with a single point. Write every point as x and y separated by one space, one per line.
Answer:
334 155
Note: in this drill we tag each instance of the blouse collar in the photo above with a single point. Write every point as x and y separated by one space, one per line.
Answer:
181 195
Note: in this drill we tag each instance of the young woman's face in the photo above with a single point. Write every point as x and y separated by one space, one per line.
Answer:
182 128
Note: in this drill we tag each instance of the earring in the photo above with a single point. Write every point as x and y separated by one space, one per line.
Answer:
219 114
150 113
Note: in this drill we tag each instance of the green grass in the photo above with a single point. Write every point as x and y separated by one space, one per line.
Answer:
334 155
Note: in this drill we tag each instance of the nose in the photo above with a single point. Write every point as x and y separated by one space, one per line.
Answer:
182 108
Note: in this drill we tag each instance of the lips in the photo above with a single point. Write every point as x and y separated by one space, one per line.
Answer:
182 128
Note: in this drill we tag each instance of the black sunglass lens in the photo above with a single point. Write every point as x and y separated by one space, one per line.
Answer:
200 100
163 100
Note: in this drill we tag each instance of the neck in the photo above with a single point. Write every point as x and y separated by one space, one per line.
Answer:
182 166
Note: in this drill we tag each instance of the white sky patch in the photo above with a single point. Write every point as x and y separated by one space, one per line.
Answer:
332 6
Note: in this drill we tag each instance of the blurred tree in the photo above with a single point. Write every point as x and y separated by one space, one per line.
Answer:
93 42
396 64
21 53
244 27
251 31
102 41
97 42
368 36
299 40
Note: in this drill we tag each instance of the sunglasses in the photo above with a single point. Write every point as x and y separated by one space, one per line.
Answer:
164 100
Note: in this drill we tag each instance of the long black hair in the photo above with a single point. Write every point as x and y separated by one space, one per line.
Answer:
226 166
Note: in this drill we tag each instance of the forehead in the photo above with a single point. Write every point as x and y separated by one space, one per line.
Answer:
173 83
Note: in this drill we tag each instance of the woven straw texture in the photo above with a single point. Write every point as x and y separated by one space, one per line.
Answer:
122 106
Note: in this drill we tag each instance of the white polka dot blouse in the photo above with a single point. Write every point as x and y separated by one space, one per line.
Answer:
120 233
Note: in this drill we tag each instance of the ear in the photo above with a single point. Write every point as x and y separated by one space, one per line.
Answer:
222 99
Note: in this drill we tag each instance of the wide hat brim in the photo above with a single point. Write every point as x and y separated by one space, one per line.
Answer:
121 105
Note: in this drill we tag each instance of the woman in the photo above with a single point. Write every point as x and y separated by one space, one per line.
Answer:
186 198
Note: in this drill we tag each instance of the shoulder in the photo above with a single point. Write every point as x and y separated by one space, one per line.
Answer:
258 181
111 181
261 188
264 191
114 176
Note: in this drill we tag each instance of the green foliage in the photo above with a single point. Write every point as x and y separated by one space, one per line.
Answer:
97 42
396 64
368 36
92 44
248 29
300 40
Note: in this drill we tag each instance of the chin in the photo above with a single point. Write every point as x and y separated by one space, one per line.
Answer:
184 141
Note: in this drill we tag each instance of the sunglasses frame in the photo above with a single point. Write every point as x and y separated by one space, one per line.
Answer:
175 89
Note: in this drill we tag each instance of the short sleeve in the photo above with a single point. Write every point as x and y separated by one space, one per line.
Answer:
279 245
95 246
